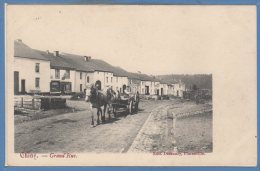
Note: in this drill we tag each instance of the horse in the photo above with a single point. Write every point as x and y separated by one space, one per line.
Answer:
112 97
97 100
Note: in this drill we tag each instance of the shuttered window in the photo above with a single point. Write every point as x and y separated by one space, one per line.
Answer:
37 82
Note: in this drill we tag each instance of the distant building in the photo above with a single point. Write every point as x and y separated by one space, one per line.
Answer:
163 88
134 83
179 88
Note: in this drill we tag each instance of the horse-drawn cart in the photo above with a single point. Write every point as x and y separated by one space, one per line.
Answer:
127 102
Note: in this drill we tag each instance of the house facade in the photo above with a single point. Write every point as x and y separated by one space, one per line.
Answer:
103 79
120 83
163 88
31 70
157 89
90 71
179 88
170 89
62 74
38 71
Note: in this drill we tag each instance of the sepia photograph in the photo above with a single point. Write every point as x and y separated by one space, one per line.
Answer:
124 81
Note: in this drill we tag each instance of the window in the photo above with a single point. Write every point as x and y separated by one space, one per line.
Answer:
57 73
107 79
37 82
55 86
67 74
80 75
111 79
87 79
80 87
116 79
37 67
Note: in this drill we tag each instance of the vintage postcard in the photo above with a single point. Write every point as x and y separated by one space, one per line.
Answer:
131 85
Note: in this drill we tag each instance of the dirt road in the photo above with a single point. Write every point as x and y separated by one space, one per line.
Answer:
71 132
147 131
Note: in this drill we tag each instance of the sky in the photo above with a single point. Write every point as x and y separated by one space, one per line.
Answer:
151 39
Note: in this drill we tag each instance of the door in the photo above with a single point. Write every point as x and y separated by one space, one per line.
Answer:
23 86
124 88
16 82
147 90
161 91
80 87
158 92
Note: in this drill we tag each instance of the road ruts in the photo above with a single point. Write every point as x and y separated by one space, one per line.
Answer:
71 132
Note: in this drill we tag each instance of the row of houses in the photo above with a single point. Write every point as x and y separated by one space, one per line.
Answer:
37 71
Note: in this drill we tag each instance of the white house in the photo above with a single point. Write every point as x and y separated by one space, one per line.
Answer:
163 88
42 71
170 89
90 71
157 87
150 85
179 88
134 82
31 70
120 83
62 74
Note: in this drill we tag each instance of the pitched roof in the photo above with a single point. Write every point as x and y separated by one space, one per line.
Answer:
93 65
77 62
56 61
143 77
169 82
23 51
119 72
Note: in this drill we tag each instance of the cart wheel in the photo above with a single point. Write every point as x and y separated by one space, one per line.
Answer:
114 111
136 107
130 107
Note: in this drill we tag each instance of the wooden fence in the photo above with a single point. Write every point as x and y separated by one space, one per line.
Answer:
27 102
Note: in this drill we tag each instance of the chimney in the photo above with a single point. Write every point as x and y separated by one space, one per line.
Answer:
47 51
56 53
87 58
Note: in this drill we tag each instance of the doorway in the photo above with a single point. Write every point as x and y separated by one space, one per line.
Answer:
161 91
158 92
147 90
23 86
16 82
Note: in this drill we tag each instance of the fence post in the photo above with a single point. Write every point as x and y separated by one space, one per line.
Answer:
21 101
174 117
33 103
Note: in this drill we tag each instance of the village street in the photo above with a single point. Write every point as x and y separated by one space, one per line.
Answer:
71 132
